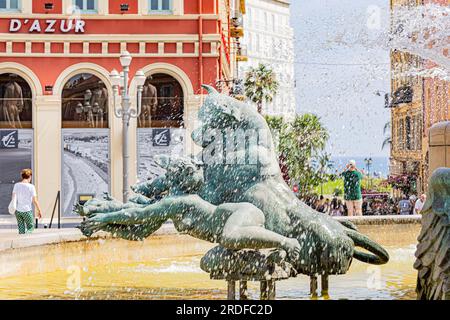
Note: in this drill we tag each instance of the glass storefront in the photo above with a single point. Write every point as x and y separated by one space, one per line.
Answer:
16 154
85 140
16 134
160 126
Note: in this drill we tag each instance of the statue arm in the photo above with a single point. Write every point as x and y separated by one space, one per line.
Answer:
157 212
150 218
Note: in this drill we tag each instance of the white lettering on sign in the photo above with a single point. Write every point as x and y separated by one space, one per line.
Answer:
49 26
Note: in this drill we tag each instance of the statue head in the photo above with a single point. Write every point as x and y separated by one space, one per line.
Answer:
183 174
220 110
438 198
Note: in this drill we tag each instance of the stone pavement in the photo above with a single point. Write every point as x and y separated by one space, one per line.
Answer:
10 239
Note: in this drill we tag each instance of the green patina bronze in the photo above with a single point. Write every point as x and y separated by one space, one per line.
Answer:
234 195
433 250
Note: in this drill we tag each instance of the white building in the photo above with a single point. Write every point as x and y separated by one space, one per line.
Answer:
269 39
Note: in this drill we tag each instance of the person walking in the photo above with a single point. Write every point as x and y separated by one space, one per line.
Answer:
24 193
419 204
352 189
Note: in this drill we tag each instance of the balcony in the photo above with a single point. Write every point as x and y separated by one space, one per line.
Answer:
237 24
241 53
404 94
236 32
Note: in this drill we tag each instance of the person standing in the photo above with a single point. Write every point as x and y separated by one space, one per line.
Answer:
419 204
404 206
352 189
24 194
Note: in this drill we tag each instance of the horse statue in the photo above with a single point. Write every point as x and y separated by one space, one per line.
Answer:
238 199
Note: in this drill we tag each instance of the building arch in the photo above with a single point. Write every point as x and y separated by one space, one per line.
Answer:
78 68
170 70
26 73
89 68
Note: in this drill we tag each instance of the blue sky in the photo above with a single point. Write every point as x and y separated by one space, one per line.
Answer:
337 75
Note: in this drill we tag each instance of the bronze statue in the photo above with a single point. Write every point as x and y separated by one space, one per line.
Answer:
433 250
13 104
238 204
149 104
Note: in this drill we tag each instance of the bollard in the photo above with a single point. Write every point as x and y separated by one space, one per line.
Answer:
313 286
324 284
231 290
243 294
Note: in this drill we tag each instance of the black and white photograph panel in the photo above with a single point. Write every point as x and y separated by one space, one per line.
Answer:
157 141
16 153
85 165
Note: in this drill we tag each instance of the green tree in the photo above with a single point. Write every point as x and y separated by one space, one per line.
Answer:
260 85
323 165
299 141
337 192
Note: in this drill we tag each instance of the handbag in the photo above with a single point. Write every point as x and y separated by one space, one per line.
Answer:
13 205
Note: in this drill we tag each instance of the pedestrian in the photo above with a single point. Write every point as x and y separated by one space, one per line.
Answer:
413 200
24 195
337 209
352 188
404 206
326 206
419 204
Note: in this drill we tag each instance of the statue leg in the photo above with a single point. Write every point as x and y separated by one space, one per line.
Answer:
244 229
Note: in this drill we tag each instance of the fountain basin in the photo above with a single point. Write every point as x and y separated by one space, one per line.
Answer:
167 267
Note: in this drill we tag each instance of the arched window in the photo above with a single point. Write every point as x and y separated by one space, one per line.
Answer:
15 102
162 103
16 138
160 124
85 102
85 140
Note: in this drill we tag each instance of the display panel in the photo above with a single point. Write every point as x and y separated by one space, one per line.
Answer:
157 141
85 167
16 153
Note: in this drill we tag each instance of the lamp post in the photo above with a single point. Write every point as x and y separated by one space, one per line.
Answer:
368 162
120 82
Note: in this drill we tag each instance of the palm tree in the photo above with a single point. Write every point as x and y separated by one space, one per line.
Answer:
323 164
260 85
388 139
304 137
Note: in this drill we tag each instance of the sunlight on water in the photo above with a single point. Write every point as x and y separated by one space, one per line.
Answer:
168 268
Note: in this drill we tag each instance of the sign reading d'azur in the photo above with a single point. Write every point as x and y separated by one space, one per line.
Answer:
47 26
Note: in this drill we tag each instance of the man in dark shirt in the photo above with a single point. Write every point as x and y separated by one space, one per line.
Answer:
352 189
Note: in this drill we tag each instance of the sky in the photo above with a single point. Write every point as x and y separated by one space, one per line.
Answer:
339 67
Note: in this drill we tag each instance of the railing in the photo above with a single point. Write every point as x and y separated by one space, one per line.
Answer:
57 205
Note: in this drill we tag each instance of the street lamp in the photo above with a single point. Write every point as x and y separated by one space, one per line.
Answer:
368 162
120 81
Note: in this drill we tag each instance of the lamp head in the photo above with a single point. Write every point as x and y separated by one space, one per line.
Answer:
140 78
125 59
114 76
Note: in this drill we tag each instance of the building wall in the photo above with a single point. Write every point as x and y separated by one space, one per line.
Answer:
430 105
406 118
269 39
187 44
